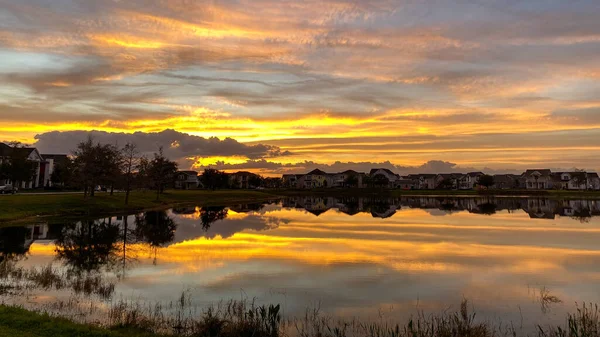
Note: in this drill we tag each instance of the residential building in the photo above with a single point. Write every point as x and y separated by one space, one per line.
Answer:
570 180
391 176
538 179
243 180
593 181
452 179
344 179
186 180
290 180
49 165
404 183
32 154
470 180
506 181
315 179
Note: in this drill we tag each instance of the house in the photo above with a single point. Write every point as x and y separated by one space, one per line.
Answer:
424 181
290 180
593 181
404 183
570 180
383 172
315 179
447 180
49 165
538 179
469 180
506 181
349 178
186 180
244 180
32 154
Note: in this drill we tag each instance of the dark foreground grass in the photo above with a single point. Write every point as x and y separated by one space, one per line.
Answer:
243 319
16 322
24 207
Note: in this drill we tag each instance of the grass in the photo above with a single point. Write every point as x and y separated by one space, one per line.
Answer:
244 319
24 207
16 322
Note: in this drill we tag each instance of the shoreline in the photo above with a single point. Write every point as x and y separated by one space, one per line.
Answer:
22 208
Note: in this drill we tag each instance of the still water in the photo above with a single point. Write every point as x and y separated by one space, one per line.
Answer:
366 258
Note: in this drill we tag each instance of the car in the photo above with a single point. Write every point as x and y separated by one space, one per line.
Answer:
7 188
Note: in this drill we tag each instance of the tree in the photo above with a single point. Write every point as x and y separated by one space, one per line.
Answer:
63 173
96 164
209 215
130 163
446 184
213 179
486 181
255 181
161 172
19 168
351 181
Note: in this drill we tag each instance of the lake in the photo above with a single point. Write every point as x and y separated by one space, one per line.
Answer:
521 260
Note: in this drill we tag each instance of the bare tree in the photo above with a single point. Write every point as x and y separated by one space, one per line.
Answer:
131 162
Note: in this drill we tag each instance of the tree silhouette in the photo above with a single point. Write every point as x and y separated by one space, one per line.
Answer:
209 215
13 243
88 246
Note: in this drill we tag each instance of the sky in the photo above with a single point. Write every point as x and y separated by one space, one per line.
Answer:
279 86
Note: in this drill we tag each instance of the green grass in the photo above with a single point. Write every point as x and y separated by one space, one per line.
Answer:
25 207
16 322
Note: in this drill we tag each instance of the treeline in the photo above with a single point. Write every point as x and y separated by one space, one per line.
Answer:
94 164
17 167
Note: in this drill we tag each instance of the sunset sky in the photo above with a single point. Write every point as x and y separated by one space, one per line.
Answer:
410 85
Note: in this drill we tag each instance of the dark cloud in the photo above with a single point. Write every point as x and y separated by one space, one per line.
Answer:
432 166
176 145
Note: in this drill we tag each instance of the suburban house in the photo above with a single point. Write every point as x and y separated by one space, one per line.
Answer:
48 166
344 179
452 179
315 179
570 180
593 181
32 154
506 181
243 180
538 179
404 183
389 175
186 180
469 181
290 180
423 181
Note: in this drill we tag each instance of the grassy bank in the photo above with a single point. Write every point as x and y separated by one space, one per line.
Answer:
15 322
25 207
240 319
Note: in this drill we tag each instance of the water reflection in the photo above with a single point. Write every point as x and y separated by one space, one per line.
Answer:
353 255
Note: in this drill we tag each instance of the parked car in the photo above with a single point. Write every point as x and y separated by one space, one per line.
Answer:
7 188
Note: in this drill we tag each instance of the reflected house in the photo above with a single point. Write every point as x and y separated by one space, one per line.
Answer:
541 208
246 208
316 205
350 206
186 180
538 179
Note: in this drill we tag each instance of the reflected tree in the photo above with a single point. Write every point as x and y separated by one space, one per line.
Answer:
209 215
488 208
156 229
13 243
88 246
